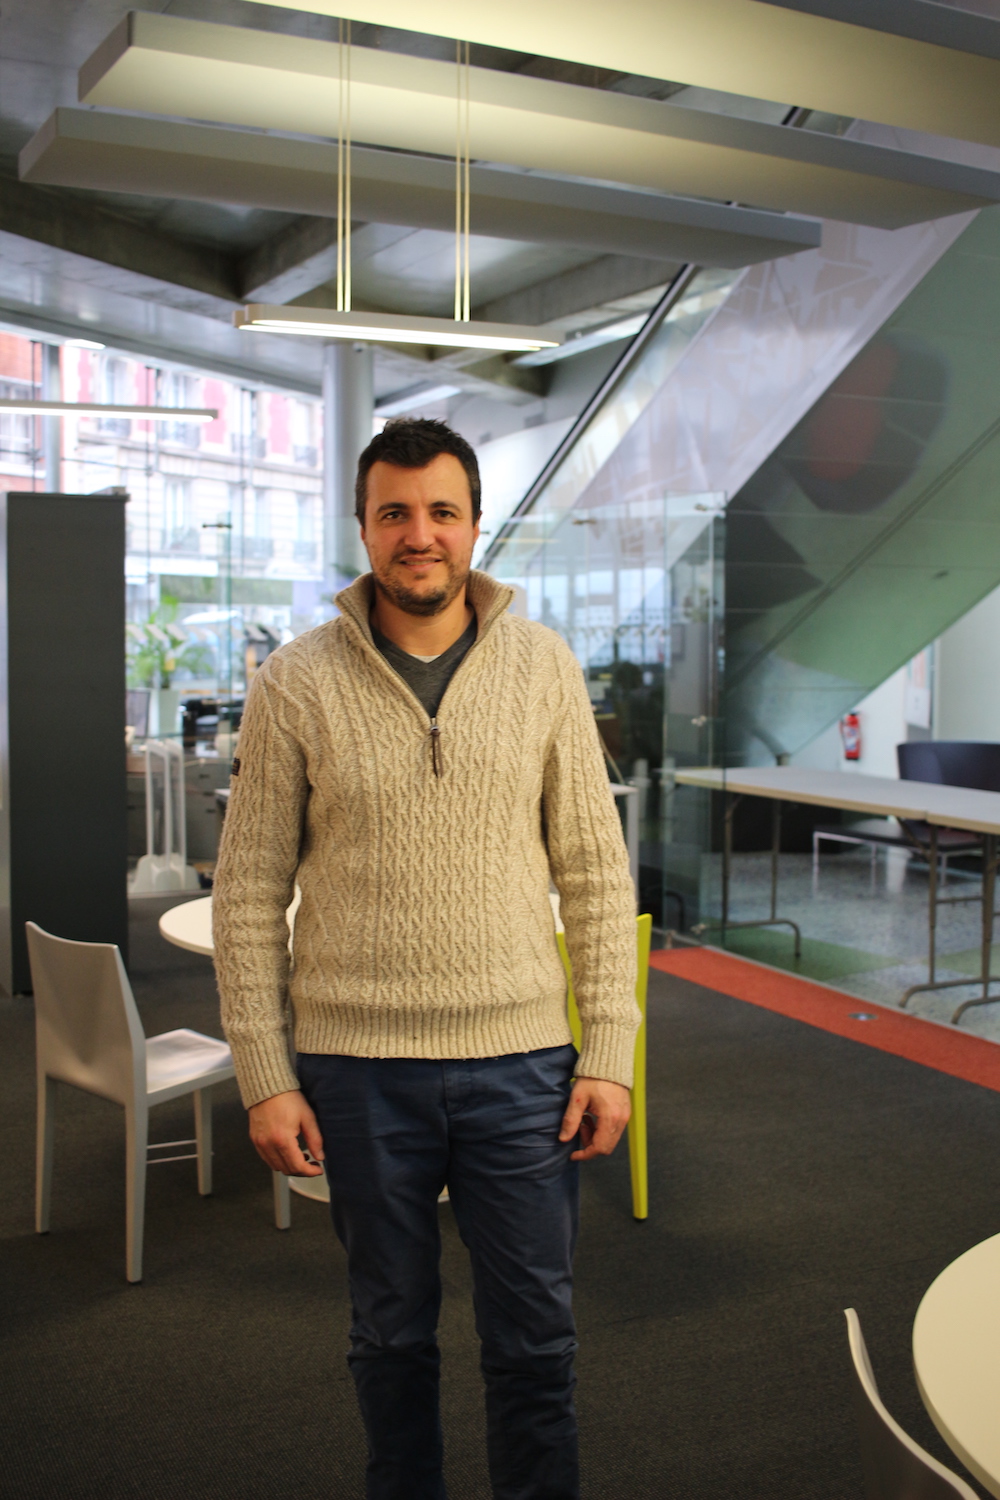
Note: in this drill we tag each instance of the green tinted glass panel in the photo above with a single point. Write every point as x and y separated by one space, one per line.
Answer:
875 524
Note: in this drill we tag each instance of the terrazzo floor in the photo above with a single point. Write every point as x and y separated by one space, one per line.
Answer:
865 932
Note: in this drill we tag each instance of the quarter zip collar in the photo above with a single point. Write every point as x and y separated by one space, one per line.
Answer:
489 599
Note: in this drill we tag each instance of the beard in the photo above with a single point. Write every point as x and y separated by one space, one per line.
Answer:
413 602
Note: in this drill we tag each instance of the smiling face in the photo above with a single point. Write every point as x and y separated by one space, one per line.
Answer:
419 533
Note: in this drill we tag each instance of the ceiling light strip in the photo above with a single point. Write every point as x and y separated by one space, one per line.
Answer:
392 328
98 409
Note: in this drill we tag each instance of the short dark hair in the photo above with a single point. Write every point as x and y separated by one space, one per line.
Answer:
413 443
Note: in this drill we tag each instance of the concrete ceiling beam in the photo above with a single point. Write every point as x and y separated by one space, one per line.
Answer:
899 62
590 286
491 377
175 67
192 276
291 262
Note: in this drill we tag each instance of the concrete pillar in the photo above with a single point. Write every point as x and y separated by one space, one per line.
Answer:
348 404
51 426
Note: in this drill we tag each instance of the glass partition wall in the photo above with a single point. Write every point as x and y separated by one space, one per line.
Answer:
631 574
635 588
839 405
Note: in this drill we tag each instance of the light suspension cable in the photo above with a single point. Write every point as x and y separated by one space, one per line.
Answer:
463 100
344 168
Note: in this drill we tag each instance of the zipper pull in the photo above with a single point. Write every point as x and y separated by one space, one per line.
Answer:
436 747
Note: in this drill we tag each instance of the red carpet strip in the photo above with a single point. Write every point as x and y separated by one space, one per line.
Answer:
945 1048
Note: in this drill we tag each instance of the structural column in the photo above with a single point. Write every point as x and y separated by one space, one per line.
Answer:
348 405
52 426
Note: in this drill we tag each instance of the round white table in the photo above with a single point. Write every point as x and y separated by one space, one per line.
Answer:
190 926
956 1355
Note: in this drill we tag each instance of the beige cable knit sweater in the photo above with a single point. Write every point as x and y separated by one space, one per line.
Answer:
425 928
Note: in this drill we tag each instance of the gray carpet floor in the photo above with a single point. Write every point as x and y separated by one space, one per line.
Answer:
793 1174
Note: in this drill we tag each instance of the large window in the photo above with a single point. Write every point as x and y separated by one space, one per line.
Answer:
181 390
304 547
179 531
116 391
223 517
17 433
304 439
257 541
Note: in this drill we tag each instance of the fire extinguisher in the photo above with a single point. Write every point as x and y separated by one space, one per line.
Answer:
850 734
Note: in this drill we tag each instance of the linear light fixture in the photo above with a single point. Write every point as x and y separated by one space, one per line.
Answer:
391 328
96 408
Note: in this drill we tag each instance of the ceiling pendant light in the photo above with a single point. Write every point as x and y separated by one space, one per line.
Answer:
390 328
398 328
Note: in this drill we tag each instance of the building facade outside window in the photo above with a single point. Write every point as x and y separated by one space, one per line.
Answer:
179 532
306 526
214 523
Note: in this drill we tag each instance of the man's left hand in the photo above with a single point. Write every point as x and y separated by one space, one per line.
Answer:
599 1110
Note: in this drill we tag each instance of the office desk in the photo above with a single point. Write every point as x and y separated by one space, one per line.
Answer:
956 1356
913 801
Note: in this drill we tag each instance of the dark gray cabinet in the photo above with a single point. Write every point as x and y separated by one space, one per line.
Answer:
63 813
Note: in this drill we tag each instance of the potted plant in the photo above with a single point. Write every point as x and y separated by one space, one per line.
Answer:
155 651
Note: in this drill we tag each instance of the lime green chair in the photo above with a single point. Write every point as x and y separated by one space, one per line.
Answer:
637 1138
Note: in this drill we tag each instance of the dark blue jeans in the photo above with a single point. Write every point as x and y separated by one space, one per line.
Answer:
395 1131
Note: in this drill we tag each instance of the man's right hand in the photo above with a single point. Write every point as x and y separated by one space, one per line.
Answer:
275 1127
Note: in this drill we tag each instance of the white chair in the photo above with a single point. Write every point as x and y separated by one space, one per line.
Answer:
895 1468
88 1034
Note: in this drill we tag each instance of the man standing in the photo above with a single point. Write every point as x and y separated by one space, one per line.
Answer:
420 767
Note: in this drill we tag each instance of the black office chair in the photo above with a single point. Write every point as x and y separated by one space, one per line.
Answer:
970 763
894 1466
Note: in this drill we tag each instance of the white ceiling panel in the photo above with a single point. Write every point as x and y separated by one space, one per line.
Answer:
169 66
740 46
132 154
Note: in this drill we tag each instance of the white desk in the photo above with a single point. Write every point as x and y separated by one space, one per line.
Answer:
956 1356
190 926
914 801
920 801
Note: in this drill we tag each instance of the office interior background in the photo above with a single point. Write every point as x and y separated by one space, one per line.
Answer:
734 272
